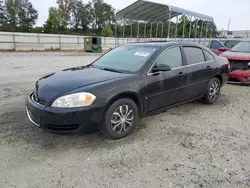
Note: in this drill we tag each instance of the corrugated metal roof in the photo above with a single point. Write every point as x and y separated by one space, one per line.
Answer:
145 10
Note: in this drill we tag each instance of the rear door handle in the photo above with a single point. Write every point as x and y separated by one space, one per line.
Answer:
208 68
181 74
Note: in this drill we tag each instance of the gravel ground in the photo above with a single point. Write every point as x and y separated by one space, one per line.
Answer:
193 145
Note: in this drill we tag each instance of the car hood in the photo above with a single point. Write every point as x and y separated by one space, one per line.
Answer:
57 84
236 55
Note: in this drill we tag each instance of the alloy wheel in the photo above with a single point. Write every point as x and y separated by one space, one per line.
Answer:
214 91
122 119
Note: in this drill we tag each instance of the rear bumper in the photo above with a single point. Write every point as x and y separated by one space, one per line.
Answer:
241 76
57 120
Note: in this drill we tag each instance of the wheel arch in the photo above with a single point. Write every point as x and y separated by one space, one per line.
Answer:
220 78
130 95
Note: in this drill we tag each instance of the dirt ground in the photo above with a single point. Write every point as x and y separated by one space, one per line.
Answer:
193 145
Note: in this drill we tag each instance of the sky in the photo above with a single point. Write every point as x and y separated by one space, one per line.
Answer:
222 10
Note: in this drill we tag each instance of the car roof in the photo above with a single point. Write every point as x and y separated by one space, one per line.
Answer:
164 44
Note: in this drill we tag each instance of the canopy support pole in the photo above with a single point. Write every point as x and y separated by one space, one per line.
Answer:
190 27
162 29
145 30
156 34
123 32
115 33
176 26
183 30
201 34
138 31
196 27
211 30
206 29
131 32
169 24
206 32
151 28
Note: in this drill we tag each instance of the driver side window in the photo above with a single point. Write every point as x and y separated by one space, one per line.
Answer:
171 57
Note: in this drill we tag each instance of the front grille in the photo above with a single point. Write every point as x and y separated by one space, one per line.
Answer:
37 100
63 128
238 65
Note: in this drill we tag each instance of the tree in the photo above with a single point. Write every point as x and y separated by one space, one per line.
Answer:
64 10
52 25
11 16
27 16
103 14
81 16
18 15
2 15
107 32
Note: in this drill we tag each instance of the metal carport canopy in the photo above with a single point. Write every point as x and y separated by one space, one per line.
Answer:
149 11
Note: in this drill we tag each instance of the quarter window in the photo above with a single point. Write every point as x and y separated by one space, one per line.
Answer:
209 56
171 57
194 55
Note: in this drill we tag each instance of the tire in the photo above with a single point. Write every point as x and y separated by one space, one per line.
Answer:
120 119
213 91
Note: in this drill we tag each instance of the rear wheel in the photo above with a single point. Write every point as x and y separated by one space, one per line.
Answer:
120 119
213 91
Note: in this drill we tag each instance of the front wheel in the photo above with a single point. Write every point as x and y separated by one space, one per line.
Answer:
120 119
213 91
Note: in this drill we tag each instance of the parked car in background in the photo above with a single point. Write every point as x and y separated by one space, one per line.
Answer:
219 47
239 58
128 82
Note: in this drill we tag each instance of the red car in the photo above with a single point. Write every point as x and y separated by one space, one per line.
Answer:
239 59
219 47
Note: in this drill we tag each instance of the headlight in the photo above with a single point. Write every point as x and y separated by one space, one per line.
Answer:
74 100
249 64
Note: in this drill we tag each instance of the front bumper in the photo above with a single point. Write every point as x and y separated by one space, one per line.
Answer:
56 120
240 77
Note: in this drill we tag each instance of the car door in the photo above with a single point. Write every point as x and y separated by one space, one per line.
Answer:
167 88
199 70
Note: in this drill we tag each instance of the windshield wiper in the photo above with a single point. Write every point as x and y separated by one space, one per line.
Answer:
91 65
112 70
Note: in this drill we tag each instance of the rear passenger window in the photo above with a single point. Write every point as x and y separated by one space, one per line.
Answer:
194 55
209 56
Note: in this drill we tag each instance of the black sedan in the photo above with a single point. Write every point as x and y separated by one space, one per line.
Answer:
125 84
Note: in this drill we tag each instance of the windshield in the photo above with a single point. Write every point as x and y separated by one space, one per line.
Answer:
128 58
242 47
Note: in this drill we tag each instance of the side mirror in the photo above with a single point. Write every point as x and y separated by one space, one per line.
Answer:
161 67
222 49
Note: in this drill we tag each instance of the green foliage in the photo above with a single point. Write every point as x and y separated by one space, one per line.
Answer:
27 16
81 16
103 14
107 32
52 25
18 15
64 11
38 30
